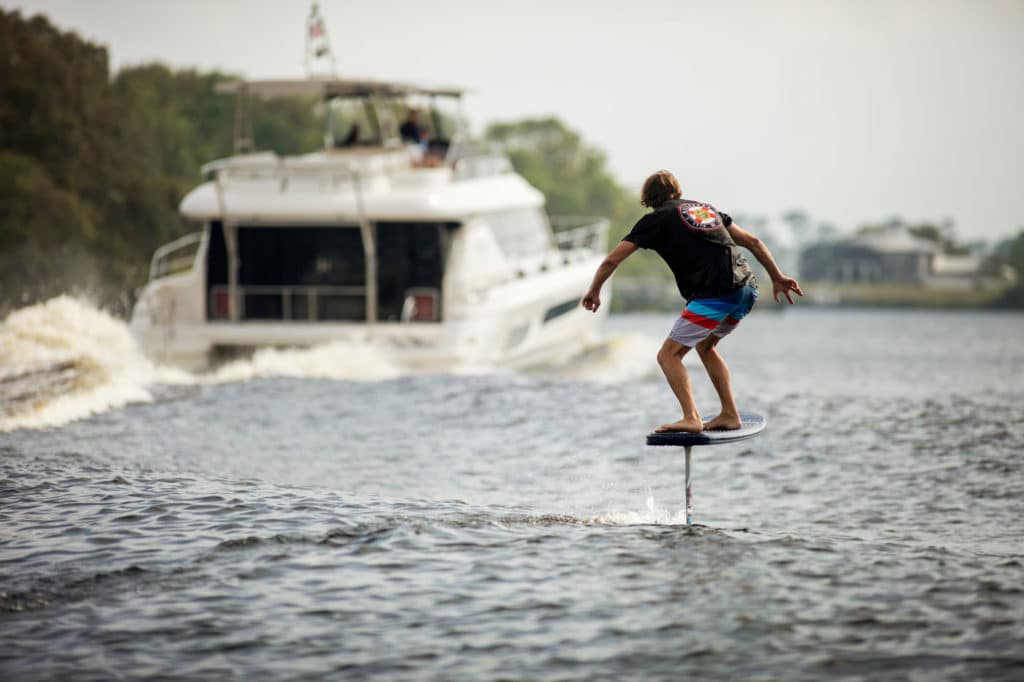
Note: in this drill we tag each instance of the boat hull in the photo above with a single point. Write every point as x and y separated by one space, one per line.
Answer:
529 322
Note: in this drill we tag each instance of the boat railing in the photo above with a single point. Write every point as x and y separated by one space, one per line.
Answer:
329 174
293 303
465 162
176 257
580 232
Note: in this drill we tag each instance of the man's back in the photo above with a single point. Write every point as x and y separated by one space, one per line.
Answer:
691 237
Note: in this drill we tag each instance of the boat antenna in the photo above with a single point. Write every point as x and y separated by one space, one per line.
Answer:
318 46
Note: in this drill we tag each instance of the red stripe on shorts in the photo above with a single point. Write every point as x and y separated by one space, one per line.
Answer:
700 320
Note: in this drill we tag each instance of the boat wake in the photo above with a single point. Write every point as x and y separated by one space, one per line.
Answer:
617 359
65 360
340 360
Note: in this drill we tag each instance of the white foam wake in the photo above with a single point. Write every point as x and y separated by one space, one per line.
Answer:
619 359
65 359
337 360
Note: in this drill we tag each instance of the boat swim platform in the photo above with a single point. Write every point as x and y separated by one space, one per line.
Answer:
751 425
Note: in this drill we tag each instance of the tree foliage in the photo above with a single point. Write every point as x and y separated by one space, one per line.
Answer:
92 167
574 178
1011 252
571 174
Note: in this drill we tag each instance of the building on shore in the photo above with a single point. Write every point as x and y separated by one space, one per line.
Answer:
899 258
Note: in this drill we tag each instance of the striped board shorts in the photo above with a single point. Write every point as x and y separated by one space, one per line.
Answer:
719 316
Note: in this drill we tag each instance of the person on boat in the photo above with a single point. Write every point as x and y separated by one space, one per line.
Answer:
411 130
700 245
416 139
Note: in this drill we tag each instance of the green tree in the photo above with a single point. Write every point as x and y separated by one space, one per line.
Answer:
1011 252
574 178
93 166
85 155
571 174
54 91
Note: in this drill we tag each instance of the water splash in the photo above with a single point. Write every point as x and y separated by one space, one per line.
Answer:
65 359
651 514
619 359
337 360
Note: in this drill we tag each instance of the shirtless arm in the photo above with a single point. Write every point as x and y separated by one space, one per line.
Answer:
781 284
592 299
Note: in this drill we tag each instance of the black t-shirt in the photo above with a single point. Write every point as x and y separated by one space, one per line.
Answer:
691 238
411 131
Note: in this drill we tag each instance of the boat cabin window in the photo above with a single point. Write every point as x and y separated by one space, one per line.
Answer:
410 259
318 272
299 272
521 232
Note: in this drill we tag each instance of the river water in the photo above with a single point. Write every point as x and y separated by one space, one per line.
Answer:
321 515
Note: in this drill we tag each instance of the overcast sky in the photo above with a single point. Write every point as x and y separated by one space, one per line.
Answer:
854 111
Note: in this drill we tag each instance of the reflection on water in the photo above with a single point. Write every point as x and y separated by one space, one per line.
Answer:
297 521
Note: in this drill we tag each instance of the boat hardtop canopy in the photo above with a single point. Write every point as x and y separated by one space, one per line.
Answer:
358 112
332 87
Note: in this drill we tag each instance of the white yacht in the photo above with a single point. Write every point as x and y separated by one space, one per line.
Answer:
435 254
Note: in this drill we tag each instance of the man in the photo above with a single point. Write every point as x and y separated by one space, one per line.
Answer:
699 244
411 131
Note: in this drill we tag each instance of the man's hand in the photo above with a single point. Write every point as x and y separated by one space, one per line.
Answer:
783 286
592 299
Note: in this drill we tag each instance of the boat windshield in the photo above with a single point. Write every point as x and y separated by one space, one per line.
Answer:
360 113
354 122
385 121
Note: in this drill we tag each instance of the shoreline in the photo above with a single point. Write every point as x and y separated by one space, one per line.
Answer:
659 295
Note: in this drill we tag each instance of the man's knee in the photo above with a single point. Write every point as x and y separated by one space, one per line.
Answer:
707 346
670 353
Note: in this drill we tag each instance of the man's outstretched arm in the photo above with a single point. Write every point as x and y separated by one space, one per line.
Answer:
781 283
592 299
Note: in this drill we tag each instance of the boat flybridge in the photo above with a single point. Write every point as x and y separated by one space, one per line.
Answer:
437 255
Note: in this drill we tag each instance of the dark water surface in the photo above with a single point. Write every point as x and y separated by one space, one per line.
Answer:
511 526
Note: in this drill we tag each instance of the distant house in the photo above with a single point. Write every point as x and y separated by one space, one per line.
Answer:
898 258
895 257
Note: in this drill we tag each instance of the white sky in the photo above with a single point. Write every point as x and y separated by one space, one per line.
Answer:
853 111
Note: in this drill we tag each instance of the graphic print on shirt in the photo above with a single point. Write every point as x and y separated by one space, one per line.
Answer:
699 216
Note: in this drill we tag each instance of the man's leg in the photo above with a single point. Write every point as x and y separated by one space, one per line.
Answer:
670 358
729 417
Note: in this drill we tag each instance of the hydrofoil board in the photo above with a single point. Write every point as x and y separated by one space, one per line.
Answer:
752 424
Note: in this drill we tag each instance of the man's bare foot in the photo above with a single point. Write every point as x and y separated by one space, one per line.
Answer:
692 425
723 422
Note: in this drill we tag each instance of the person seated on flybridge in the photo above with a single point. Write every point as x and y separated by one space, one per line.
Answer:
700 245
411 130
417 141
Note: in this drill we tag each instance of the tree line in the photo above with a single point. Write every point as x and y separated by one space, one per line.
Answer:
94 164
